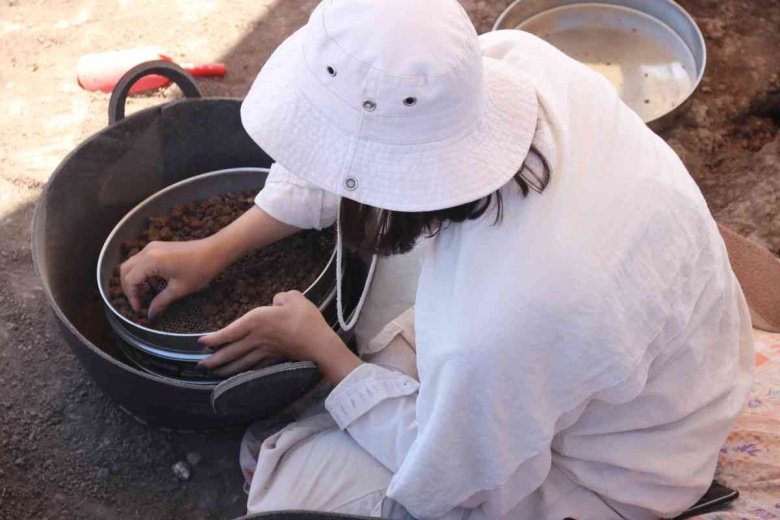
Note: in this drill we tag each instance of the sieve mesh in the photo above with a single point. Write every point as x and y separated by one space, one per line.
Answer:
248 283
183 317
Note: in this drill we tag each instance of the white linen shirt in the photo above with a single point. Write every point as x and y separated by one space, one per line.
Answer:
598 327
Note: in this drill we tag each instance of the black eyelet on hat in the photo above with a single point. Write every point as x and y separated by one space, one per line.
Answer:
369 105
410 101
351 184
331 71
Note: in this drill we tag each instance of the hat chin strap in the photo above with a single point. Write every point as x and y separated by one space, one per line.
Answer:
339 302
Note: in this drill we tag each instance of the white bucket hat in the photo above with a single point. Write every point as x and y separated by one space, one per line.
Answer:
390 103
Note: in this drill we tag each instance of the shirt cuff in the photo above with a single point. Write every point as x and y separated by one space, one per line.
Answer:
363 389
294 205
294 201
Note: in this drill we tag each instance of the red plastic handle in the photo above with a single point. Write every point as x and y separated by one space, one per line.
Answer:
206 69
202 69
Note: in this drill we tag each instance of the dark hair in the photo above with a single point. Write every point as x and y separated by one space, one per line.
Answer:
369 230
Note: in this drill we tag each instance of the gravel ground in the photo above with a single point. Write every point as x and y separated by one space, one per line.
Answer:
66 451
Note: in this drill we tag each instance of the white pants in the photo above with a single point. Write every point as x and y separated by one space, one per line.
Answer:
311 465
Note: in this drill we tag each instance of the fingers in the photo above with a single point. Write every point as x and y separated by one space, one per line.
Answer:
135 271
279 299
161 302
255 360
267 362
131 278
286 298
235 331
229 353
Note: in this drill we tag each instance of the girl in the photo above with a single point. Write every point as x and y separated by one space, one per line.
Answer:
579 345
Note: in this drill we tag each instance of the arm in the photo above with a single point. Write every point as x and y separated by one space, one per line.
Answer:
284 206
376 403
254 229
378 408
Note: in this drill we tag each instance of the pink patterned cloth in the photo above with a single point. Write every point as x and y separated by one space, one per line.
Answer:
750 459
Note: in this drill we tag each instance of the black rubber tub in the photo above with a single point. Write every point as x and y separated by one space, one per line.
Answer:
92 189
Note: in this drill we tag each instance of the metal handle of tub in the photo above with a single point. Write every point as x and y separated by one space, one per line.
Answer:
116 105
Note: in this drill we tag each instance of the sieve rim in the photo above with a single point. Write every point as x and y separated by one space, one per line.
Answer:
123 321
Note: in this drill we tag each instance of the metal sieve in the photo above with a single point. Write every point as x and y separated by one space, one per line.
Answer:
167 343
652 51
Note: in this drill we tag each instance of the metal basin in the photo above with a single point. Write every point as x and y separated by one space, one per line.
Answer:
93 188
652 51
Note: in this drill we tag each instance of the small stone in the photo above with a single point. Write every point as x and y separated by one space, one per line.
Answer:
194 458
706 89
19 461
102 474
181 470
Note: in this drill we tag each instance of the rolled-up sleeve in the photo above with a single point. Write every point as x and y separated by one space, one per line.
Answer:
295 202
377 406
364 389
377 402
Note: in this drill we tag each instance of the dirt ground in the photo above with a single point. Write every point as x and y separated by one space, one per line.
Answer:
66 451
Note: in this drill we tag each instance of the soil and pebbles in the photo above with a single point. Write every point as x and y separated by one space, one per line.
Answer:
66 450
293 263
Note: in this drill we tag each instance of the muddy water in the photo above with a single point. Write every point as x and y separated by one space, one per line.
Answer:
648 63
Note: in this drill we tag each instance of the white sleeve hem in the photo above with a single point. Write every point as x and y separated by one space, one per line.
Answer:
364 388
292 204
291 200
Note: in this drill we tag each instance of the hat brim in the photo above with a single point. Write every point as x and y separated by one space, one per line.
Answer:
401 177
